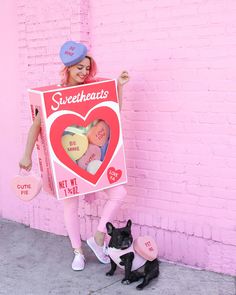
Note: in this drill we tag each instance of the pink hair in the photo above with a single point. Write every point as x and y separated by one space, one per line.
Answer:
64 73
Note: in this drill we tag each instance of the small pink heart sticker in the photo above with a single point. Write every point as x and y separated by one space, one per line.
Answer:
26 187
146 247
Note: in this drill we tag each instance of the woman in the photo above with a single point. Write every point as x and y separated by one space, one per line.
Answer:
79 68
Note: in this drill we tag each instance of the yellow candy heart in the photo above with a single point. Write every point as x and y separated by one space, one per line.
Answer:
75 145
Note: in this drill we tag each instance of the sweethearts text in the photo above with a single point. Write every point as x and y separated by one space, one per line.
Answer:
59 100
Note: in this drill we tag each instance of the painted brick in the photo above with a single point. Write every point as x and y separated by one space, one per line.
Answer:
178 116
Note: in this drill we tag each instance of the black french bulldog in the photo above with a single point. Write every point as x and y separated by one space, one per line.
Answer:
122 241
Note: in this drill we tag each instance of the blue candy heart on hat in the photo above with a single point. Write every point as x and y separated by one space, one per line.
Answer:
72 52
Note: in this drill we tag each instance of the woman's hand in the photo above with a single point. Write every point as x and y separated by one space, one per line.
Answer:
123 78
121 81
25 163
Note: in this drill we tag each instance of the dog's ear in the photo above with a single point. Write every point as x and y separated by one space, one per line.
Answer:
109 227
129 223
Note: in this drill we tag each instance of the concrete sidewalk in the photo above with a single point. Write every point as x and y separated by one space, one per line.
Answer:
35 262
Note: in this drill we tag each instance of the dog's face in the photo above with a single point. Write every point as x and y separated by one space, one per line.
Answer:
121 238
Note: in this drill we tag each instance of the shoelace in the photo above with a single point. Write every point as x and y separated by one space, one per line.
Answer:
78 253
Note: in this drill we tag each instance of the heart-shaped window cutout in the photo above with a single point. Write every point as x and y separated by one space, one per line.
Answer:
59 127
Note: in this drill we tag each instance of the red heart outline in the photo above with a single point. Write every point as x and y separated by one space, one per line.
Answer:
62 122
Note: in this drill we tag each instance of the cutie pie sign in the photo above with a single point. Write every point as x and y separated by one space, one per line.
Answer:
80 147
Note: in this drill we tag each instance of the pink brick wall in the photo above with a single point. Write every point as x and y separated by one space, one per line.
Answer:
9 114
179 116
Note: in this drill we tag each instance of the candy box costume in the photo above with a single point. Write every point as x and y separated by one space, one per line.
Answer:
80 148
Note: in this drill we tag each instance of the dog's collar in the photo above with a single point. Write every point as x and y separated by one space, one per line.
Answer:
115 249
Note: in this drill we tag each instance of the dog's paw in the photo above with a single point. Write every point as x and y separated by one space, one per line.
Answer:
110 273
140 287
125 282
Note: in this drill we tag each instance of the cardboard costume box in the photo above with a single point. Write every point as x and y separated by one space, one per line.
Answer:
80 147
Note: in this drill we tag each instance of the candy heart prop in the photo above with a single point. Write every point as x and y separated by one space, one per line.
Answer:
113 174
72 52
93 153
146 247
75 145
93 166
99 133
26 187
62 122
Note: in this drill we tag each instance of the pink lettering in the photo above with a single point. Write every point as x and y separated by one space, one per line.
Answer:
69 53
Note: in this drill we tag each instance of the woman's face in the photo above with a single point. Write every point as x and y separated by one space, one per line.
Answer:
79 72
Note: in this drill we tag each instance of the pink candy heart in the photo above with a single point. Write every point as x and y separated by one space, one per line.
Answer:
93 153
146 247
26 187
98 134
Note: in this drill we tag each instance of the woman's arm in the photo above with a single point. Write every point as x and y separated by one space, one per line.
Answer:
26 161
121 81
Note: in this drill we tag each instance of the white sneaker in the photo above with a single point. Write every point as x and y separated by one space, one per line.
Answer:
98 251
78 262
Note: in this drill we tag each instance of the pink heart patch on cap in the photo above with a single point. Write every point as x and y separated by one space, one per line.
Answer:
93 153
26 187
99 134
146 247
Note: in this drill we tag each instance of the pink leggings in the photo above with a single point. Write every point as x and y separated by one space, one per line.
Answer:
116 196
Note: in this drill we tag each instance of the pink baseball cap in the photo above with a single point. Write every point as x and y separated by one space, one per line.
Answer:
72 52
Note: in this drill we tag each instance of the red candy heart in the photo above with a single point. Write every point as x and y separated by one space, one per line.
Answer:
62 122
26 187
113 174
146 247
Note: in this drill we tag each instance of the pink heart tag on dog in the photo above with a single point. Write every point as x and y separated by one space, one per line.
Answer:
146 247
26 187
